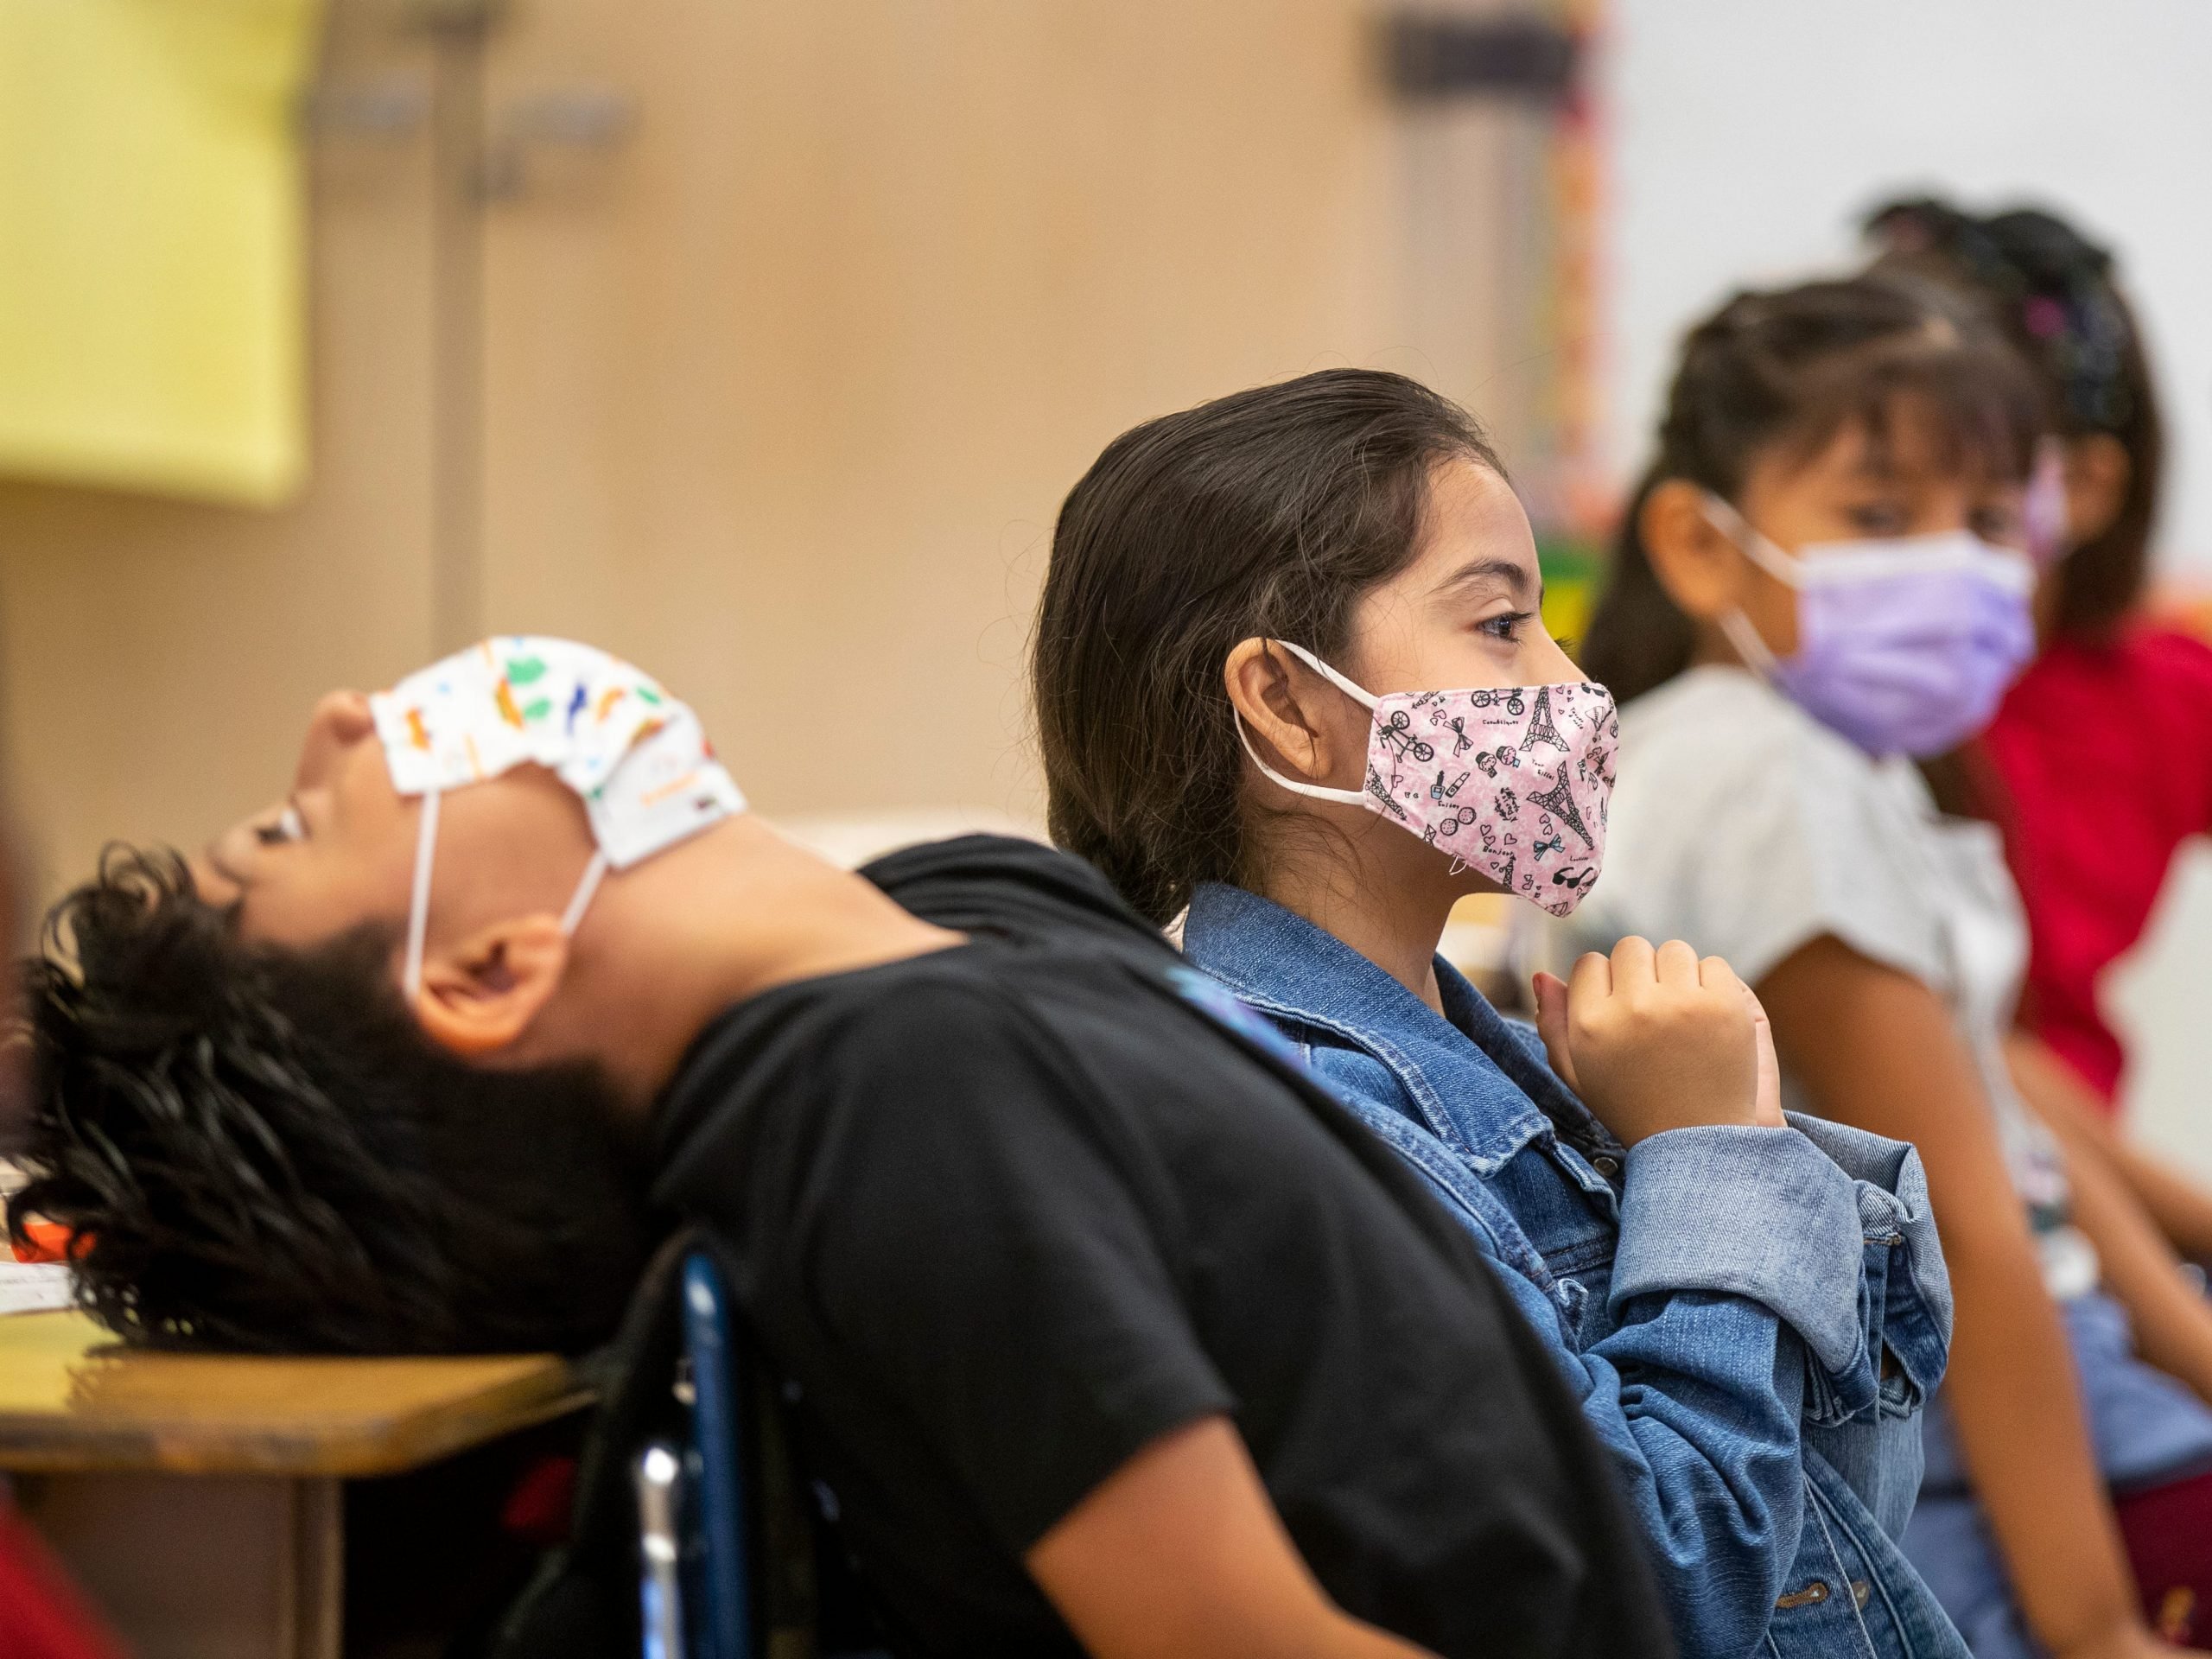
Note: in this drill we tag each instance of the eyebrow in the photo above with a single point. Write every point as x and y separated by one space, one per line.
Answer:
1512 576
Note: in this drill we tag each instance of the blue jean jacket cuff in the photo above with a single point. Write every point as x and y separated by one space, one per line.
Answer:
1760 1213
1907 1294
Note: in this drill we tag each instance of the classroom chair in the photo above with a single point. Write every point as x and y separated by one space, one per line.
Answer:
749 1567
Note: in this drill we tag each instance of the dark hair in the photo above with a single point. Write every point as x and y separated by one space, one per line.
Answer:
1792 367
255 1147
1266 513
2052 293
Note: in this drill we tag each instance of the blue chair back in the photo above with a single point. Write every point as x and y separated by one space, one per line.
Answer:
720 1621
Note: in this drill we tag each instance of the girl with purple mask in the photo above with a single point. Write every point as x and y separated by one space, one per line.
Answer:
1822 578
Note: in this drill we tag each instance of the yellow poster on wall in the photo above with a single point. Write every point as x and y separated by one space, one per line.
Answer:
152 265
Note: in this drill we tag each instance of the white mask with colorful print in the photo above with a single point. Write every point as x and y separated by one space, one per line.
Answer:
639 759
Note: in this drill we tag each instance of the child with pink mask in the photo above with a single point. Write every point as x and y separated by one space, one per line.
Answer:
1292 683
1821 580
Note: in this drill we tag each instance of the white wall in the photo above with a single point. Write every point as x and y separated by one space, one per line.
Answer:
2154 998
1749 136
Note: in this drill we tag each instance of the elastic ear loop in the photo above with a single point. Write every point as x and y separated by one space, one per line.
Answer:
1784 567
418 904
1319 792
1735 626
1758 655
418 907
580 902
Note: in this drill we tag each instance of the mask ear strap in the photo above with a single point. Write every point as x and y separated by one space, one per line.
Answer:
573 917
1758 655
418 904
1319 792
418 907
1724 518
1357 694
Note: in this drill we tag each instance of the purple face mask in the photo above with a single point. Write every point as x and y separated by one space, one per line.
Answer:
1904 644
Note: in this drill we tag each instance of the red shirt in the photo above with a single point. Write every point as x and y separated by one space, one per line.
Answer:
2106 752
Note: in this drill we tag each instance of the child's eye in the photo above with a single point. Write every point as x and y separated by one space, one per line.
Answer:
1506 627
1998 525
1878 518
286 826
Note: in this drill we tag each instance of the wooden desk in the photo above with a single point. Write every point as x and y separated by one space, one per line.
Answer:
198 1497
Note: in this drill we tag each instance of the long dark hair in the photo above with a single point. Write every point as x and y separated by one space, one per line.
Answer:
1265 512
2053 294
1791 367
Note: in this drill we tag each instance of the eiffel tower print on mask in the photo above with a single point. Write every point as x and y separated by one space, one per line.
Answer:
1559 801
1508 813
1540 728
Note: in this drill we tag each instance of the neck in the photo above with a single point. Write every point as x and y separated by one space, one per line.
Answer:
1711 646
2049 585
676 941
1387 902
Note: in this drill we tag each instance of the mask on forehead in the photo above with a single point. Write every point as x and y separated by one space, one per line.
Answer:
637 758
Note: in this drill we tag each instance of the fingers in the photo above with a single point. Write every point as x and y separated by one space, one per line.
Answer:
1551 1025
1637 963
1677 964
1634 964
1591 979
1715 974
1653 1039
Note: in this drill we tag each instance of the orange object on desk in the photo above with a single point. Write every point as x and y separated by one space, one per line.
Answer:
44 1241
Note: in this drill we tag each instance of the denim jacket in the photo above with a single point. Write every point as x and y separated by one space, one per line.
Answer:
1722 1297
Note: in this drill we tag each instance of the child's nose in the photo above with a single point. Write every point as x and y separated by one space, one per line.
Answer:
346 714
341 719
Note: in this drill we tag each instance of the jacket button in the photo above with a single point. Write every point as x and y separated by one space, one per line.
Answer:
1606 1165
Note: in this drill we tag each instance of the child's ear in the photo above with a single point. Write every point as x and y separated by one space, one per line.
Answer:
482 996
1280 703
2098 473
1696 565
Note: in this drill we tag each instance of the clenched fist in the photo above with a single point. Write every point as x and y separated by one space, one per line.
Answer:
1657 1040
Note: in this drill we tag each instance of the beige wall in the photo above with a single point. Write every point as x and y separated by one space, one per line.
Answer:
781 395
157 658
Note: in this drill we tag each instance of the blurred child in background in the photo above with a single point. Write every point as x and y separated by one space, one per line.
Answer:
1822 576
1290 674
2099 763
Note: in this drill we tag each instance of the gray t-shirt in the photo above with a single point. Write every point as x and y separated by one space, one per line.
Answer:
1744 826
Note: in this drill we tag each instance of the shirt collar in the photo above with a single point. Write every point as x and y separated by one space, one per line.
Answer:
1475 1081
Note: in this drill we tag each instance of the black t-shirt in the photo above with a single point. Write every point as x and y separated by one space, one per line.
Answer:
1007 1212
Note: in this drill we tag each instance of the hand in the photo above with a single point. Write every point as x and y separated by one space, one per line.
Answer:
1654 1040
1766 1109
